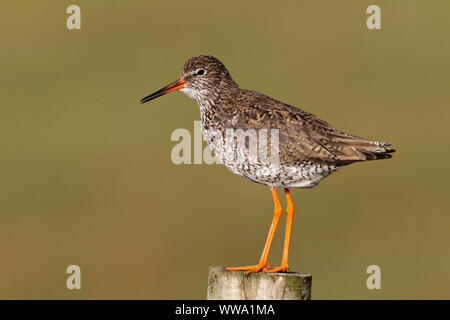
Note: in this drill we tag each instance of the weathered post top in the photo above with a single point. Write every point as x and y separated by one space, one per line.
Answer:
236 285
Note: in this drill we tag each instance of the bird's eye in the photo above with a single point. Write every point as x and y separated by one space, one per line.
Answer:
200 72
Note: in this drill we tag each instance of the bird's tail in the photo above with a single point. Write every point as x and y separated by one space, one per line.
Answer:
353 148
380 151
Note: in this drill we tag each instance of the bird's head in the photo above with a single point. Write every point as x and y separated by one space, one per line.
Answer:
202 78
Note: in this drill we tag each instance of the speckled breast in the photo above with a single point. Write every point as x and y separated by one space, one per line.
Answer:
262 167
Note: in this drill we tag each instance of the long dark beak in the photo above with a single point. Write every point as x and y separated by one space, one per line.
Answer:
176 85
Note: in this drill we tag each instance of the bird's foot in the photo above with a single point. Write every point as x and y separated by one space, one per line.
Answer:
282 268
250 269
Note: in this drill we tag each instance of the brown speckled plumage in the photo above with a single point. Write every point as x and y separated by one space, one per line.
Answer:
309 148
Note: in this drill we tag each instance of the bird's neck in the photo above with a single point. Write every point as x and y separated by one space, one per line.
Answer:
216 108
217 101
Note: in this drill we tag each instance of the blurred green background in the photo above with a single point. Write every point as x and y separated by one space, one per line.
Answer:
86 174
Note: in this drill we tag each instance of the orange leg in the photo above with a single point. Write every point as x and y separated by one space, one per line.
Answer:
263 260
289 217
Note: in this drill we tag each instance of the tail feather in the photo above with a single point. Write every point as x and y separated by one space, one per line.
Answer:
365 149
357 149
377 153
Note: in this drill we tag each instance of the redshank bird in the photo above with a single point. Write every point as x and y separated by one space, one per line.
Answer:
308 148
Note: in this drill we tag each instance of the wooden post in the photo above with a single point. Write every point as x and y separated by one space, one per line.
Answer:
236 285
